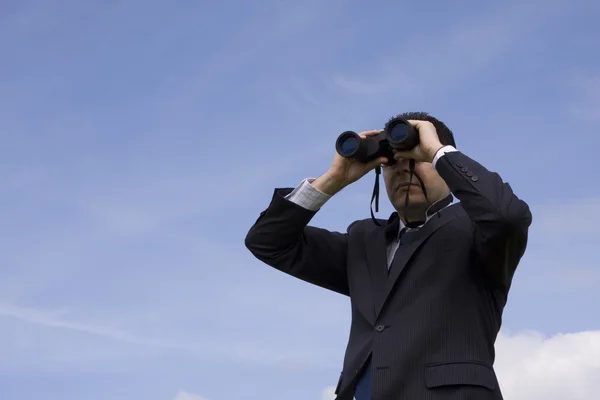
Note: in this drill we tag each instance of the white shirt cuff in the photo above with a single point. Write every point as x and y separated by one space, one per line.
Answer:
308 196
441 152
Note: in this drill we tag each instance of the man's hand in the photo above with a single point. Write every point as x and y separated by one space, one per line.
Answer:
344 171
429 143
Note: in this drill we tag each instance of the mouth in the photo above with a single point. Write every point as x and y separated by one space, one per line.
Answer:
407 184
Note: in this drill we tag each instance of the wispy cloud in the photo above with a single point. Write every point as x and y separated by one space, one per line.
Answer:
51 319
389 78
582 216
182 395
134 159
204 346
432 61
586 105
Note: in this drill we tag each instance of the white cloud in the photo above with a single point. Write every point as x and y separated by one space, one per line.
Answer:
181 395
533 367
328 393
565 366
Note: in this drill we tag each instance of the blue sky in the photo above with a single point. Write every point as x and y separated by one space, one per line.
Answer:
139 140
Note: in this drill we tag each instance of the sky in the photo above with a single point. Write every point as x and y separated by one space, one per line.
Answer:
139 141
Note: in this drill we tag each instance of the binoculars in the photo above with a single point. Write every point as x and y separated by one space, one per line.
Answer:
398 134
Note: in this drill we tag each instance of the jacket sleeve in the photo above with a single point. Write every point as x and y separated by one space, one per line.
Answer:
501 220
282 239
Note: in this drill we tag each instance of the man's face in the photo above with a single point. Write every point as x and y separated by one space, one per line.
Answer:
397 177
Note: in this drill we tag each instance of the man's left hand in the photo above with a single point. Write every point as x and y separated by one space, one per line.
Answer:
429 143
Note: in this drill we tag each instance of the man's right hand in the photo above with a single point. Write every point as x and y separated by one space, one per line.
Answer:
344 171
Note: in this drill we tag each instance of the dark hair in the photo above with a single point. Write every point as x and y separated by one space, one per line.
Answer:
444 133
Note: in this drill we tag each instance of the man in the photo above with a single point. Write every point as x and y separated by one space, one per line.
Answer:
427 299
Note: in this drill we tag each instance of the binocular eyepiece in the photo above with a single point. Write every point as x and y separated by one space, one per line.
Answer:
398 134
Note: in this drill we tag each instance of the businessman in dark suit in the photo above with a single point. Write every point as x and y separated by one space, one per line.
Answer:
427 287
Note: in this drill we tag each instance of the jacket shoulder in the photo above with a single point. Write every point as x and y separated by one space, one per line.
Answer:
363 226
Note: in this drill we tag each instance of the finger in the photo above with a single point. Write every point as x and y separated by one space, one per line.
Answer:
402 155
419 124
364 134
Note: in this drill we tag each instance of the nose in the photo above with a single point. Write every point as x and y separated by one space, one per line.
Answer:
402 165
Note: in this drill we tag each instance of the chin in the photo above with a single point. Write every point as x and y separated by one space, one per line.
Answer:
413 195
413 201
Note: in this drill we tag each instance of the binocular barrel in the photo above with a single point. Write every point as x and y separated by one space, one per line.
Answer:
398 135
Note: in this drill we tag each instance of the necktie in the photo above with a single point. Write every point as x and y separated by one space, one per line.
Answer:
403 235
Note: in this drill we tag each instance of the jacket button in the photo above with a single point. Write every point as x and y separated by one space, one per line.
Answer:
464 169
475 178
459 165
379 328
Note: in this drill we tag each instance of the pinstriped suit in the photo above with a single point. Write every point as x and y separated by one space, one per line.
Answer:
428 326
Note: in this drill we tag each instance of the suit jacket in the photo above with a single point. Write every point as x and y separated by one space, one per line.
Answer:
429 326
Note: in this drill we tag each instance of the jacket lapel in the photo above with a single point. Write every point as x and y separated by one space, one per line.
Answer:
383 283
376 247
377 259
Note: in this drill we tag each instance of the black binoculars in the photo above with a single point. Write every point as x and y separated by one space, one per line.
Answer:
398 135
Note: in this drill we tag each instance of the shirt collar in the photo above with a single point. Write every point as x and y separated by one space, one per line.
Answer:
395 225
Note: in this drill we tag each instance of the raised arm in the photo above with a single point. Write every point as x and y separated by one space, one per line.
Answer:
501 219
282 239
